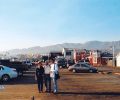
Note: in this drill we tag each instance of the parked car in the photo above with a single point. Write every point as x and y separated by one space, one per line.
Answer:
82 67
7 73
70 62
62 63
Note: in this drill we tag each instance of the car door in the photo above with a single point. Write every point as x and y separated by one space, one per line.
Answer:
84 67
77 67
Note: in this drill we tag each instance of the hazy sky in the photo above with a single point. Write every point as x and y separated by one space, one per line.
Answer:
27 23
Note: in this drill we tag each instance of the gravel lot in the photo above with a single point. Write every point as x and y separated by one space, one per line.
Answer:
72 86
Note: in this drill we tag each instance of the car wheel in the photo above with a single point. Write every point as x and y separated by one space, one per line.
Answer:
91 71
5 78
74 71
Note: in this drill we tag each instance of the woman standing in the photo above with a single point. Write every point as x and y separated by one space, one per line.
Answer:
39 76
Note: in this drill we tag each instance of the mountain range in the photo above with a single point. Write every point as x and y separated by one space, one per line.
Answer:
90 45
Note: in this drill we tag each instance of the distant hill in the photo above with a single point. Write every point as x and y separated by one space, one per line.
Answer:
91 45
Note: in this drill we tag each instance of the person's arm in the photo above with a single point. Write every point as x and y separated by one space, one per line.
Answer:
44 66
43 71
35 77
56 67
52 68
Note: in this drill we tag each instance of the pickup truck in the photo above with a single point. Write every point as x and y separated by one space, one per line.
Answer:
19 66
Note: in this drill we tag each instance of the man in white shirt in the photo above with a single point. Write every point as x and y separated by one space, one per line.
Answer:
53 71
47 77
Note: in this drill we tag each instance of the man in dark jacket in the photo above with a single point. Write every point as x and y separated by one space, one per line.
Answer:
39 76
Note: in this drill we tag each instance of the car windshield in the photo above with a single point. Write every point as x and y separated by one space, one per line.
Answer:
1 68
77 65
85 65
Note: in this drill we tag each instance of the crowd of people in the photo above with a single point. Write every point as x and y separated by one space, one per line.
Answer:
46 74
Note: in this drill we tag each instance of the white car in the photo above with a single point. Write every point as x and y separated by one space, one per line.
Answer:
7 73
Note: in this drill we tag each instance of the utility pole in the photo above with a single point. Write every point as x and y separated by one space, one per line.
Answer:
113 54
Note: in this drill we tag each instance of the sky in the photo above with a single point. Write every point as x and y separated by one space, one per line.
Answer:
29 23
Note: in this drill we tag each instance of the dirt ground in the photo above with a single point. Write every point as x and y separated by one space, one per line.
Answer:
72 86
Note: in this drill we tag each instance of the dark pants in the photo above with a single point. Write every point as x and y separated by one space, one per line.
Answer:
48 82
40 83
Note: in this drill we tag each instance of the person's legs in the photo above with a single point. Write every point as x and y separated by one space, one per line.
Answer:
38 82
49 82
41 84
55 89
46 82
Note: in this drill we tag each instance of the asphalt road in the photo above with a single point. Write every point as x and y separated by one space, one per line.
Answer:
72 86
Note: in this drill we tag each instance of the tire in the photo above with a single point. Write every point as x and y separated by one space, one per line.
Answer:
74 71
5 78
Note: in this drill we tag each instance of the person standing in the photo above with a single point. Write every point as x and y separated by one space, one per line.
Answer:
39 76
47 77
53 71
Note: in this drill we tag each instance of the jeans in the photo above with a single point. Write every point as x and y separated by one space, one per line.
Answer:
48 82
55 87
40 83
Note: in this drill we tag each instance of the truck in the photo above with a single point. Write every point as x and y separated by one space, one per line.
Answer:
19 66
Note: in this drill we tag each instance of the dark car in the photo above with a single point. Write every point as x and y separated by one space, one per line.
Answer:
62 63
70 62
82 67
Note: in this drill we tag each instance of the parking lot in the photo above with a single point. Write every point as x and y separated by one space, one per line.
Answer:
72 86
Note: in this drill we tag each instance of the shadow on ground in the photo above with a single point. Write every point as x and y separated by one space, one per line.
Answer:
21 80
90 93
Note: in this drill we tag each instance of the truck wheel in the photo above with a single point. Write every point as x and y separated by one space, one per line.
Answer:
5 78
74 71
